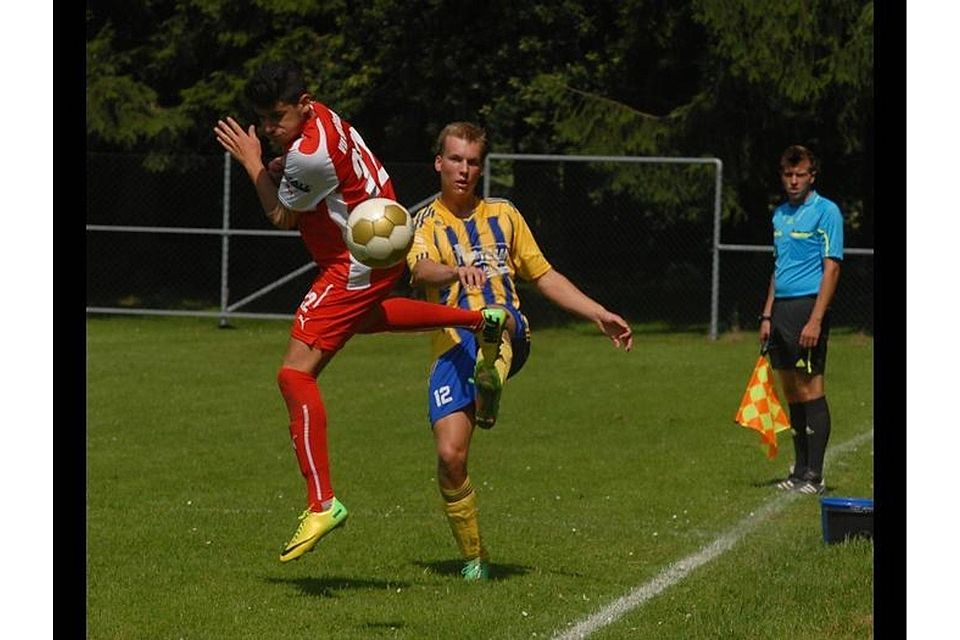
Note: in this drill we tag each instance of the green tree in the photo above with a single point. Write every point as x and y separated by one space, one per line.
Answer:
735 79
767 74
158 70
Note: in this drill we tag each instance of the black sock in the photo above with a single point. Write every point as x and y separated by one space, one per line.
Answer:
818 419
798 429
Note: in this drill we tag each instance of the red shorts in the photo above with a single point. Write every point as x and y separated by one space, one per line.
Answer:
330 313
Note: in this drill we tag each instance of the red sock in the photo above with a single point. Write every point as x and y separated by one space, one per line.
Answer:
405 314
308 430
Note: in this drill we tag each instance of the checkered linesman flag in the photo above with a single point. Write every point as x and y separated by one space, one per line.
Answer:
760 408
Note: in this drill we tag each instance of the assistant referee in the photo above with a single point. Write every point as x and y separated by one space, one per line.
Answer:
795 322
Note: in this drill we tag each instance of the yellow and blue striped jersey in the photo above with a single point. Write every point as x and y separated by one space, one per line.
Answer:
495 236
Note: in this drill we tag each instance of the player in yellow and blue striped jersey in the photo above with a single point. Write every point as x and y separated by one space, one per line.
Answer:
468 252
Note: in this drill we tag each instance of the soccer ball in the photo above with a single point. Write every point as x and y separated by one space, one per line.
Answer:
379 232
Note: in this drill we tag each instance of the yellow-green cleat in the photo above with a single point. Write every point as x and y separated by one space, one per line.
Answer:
475 570
494 322
489 386
313 526
485 374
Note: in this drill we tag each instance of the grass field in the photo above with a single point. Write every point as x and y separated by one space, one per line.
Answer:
604 469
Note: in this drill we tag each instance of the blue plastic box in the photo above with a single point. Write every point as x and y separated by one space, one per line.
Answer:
843 518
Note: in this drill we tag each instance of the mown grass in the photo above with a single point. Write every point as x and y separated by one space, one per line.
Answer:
604 468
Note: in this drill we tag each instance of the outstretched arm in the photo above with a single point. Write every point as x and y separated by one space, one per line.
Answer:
559 290
244 146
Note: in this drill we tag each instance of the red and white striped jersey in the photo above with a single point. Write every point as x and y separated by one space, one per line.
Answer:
327 171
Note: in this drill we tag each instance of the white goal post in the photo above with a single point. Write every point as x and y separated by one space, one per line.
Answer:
718 189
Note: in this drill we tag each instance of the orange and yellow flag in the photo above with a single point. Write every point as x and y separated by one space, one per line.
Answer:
760 409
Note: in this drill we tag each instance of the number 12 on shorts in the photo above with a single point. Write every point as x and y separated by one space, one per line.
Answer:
442 395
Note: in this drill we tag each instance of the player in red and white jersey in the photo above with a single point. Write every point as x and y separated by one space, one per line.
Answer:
329 170
325 170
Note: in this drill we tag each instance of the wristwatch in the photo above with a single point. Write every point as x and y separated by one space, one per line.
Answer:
761 318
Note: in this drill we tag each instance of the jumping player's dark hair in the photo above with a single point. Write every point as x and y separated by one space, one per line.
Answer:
795 154
275 82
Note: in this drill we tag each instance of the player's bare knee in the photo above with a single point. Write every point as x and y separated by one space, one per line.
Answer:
451 457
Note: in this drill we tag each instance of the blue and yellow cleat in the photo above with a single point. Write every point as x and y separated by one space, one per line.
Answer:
476 570
313 526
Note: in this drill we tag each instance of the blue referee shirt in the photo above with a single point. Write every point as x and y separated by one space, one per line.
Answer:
802 237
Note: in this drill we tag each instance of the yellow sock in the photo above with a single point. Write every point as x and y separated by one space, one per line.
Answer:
460 506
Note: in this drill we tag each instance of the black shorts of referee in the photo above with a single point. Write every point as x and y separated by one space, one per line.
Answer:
787 319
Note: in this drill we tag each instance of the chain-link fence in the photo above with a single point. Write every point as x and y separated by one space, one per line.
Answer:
191 239
634 233
644 236
639 236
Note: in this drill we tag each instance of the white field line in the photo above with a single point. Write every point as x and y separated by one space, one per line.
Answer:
677 571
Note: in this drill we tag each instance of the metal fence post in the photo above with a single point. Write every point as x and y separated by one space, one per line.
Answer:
225 244
715 281
486 177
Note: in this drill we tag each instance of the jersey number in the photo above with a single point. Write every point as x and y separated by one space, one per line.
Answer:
442 396
312 300
361 166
